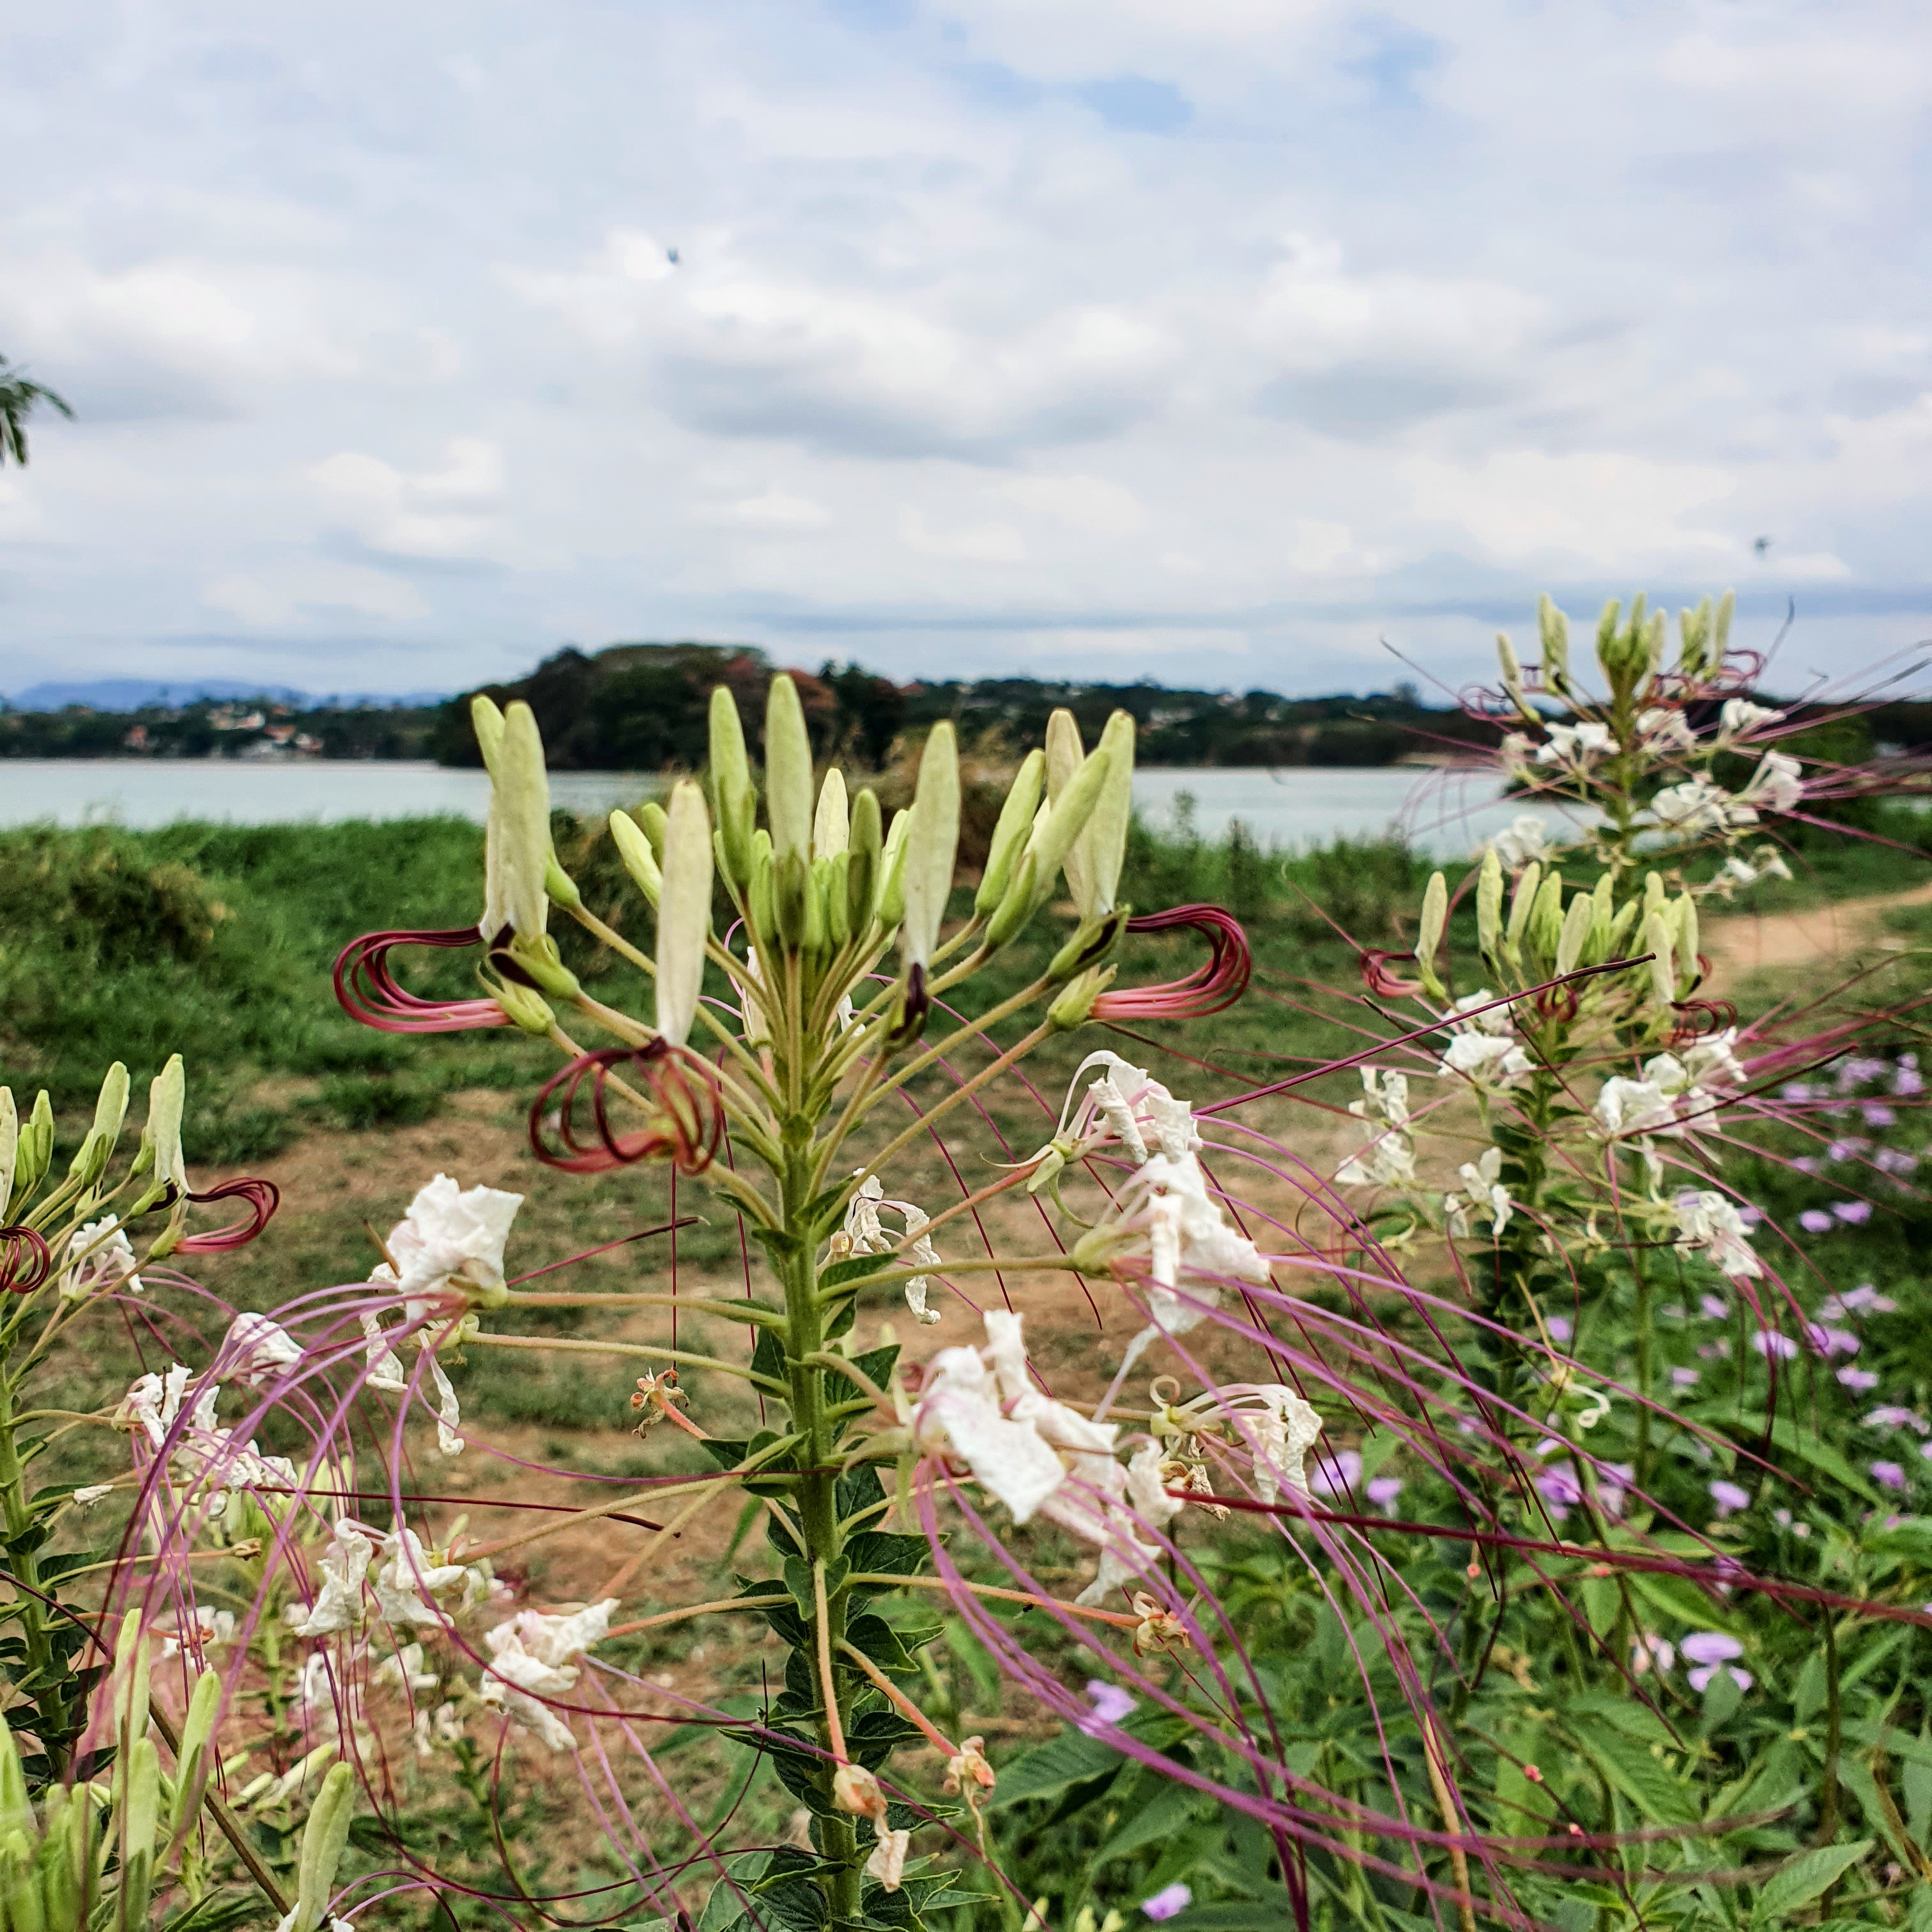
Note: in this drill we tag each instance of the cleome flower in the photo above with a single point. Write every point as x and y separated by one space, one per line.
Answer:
532 1656
1709 1223
1483 1047
1389 1159
1525 840
452 1238
864 1233
99 1257
1484 1194
1576 746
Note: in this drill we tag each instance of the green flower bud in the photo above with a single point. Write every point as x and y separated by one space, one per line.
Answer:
684 914
787 770
864 843
204 1709
167 1094
16 1808
733 797
1621 928
1553 627
1064 756
830 886
487 723
1608 619
540 959
1429 933
527 1009
1017 907
1512 668
1102 846
1054 836
931 846
1687 939
20 1886
1490 905
1074 1005
110 1110
1720 627
517 853
650 815
761 897
1545 920
1596 947
130 1681
37 1150
831 824
891 909
1655 637
634 848
790 889
1654 899
67 1861
326 1834
1527 883
1009 835
139 1813
10 1150
1657 942
1092 941
1575 932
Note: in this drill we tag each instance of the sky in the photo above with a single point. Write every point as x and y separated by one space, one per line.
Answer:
1232 343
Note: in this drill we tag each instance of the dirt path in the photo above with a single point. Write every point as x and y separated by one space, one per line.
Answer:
1742 944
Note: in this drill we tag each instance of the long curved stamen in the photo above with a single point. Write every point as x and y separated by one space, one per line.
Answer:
688 1116
367 989
263 1197
26 1260
1219 983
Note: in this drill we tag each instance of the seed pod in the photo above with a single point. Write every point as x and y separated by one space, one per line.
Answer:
862 871
634 848
1428 932
1009 835
684 919
1102 846
326 1833
787 770
1553 628
1657 942
931 846
1521 905
1575 932
831 824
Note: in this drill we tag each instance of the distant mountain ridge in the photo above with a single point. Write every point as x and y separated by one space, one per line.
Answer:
139 694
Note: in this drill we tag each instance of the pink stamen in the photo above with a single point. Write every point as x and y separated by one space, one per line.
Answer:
368 990
1219 983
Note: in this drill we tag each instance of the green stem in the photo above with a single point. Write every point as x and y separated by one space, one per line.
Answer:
45 1669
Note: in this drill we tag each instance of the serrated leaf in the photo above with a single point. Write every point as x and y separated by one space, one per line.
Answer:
1804 1879
887 1553
768 1355
1072 1758
1642 1778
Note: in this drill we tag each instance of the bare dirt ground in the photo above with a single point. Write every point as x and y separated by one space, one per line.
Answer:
1738 947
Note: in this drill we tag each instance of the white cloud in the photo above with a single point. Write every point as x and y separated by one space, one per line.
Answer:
276 599
446 512
981 543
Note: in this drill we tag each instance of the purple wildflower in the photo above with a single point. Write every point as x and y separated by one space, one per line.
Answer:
1713 1351
1852 1212
1844 1149
1815 1221
1337 1473
1383 1490
1711 1650
1831 1341
1559 1327
1894 1161
1805 1163
1729 1497
1860 1068
1169 1902
1891 1415
1865 1297
1888 1475
1111 1705
1715 1307
1878 1115
1796 1090
1684 1378
1860 1381
1560 1490
1908 1080
1768 1342
1646 1651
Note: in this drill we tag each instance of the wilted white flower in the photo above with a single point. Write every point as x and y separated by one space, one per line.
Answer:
1526 839
256 1349
1387 1161
887 1863
1778 784
99 1258
408 1584
451 1236
338 1604
404 1669
865 1234
385 1368
1766 863
1384 1096
532 1656
1635 1107
1710 1223
1576 746
1485 1193
1662 730
1740 716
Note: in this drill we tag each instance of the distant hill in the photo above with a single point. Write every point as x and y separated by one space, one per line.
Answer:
142 694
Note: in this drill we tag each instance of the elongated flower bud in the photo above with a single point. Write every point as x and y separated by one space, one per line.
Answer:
1687 937
1553 628
932 845
520 818
1055 832
36 1150
1490 904
161 1140
1655 638
9 1150
1693 633
16 1808
1512 668
204 1708
1009 835
1720 627
1428 932
892 874
324 1838
1608 619
1103 847
140 1808
1546 919
1655 899
1527 883
130 1680
1596 947
1018 906
684 912
1064 756
831 824
1657 942
487 723
1575 932
110 1110
865 841
1621 928
634 848
732 793
787 770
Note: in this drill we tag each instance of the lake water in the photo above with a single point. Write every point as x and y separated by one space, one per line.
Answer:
1447 813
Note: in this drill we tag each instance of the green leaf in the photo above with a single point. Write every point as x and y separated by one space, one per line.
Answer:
884 1553
1804 1879
857 1269
768 1355
1679 1598
1750 1430
1170 1809
1642 1778
1070 1759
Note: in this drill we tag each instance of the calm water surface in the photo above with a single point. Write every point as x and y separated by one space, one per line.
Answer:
1442 812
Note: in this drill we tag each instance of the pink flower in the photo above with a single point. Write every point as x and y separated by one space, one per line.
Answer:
1559 1327
1890 1415
1860 1381
1169 1902
1768 1342
1715 1307
1852 1212
1815 1221
1336 1472
1888 1475
1646 1651
1684 1378
1711 1650
1831 1341
1729 1497
1383 1490
1111 1705
1878 1115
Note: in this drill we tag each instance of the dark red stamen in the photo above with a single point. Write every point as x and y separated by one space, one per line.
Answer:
263 1197
1219 983
368 990
24 1260
687 1125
